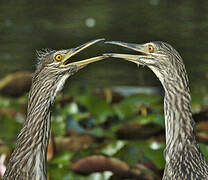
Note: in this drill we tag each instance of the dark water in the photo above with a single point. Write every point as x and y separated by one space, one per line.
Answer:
26 26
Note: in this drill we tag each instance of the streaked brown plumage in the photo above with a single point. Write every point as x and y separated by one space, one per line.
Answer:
184 160
28 160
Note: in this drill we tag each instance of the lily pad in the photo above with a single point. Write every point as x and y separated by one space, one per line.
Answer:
98 107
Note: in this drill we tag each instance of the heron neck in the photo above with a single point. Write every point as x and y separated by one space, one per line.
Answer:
29 157
179 124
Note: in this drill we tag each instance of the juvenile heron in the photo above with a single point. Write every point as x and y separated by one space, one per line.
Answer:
184 160
28 160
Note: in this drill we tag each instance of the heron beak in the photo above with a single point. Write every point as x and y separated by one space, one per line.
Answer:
129 57
72 52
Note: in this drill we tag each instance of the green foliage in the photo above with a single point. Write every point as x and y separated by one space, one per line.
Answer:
131 104
59 125
16 104
113 148
204 149
141 151
9 129
198 102
62 158
98 107
156 118
92 115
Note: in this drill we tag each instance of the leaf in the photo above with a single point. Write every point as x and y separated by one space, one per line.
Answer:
129 154
150 118
141 151
204 149
155 155
58 124
9 128
71 108
131 104
113 148
98 107
63 158
97 131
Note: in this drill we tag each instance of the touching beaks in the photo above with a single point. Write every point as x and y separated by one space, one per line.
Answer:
72 52
129 57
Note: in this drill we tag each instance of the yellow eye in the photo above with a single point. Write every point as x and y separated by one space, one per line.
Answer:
58 57
150 49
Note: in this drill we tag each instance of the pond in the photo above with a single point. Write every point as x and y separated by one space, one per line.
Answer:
27 26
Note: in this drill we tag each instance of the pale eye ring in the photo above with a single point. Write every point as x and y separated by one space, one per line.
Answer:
150 48
58 57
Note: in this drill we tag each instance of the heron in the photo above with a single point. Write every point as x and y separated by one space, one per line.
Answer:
28 160
184 160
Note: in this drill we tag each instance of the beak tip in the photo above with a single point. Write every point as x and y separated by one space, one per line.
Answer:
101 39
108 42
107 55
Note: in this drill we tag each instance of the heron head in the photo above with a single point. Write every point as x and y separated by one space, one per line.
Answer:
160 57
59 62
55 67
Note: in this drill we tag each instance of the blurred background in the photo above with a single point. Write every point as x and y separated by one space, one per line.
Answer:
110 112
